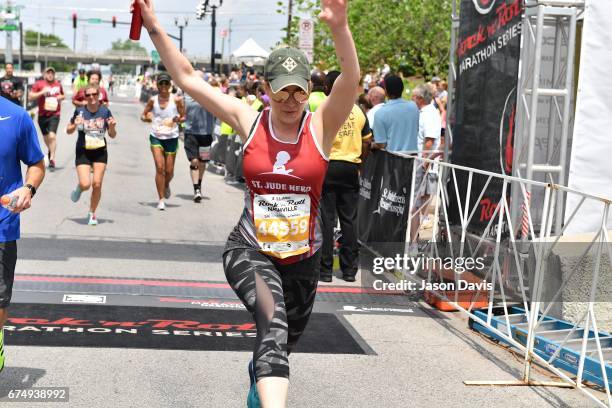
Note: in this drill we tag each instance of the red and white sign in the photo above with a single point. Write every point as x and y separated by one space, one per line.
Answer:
224 33
306 39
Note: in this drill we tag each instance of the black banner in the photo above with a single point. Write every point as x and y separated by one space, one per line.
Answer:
488 55
64 325
384 198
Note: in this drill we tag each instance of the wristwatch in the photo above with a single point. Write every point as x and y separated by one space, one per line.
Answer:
31 188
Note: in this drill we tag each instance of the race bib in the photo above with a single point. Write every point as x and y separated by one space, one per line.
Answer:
51 104
94 141
282 223
204 152
163 126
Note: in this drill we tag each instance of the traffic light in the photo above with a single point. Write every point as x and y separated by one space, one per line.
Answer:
114 21
74 20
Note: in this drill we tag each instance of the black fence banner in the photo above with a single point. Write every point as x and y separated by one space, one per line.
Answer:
369 188
488 55
383 213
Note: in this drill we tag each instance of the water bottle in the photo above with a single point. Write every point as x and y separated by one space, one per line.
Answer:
81 126
9 201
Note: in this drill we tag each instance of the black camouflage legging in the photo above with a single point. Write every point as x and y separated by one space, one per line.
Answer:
280 299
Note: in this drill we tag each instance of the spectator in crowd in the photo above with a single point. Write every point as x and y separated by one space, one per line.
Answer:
429 140
11 87
364 103
235 76
397 122
318 95
111 84
376 95
341 191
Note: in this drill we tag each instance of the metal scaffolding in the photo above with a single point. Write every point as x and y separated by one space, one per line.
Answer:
545 103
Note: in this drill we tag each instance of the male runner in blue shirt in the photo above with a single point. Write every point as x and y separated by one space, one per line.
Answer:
18 143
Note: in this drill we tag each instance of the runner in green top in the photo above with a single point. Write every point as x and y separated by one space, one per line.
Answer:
317 96
80 81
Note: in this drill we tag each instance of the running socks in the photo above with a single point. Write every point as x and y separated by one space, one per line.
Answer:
253 397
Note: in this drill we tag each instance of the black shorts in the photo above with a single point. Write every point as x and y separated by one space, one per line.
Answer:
193 144
48 124
89 157
8 259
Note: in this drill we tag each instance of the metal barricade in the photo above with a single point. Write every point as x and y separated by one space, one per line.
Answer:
547 295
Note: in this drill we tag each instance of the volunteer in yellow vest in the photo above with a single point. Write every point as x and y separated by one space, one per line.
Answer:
341 191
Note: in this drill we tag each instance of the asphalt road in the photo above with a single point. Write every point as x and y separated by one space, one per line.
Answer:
419 359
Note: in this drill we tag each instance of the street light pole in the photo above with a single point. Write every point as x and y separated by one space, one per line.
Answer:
181 24
213 24
205 7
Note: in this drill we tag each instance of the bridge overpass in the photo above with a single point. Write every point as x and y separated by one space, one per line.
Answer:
47 55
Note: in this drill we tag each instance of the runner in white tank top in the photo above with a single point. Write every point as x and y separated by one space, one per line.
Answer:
165 112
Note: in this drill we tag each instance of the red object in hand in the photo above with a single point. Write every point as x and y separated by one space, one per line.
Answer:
136 25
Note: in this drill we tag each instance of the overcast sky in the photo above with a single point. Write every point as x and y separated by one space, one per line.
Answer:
250 18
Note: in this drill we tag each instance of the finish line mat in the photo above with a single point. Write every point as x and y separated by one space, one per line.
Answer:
32 324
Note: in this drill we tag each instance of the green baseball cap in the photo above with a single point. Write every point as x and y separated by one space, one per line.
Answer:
287 66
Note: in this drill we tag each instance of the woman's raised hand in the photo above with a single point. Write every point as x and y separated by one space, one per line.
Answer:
334 13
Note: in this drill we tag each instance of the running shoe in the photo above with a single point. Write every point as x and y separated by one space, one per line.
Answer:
92 219
197 197
51 164
167 192
253 397
76 194
1 349
161 206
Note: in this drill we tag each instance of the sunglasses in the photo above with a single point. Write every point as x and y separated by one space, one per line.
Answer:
299 95
163 83
91 94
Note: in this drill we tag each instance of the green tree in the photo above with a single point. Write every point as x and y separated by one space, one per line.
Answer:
126 45
46 40
31 39
410 35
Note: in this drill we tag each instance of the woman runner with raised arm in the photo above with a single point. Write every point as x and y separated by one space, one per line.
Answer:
270 257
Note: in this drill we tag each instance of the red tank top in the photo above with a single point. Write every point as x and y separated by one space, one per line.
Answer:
284 182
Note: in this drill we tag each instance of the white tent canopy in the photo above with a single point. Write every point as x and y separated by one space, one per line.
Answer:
250 50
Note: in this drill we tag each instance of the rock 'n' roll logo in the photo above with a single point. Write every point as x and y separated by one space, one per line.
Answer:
484 6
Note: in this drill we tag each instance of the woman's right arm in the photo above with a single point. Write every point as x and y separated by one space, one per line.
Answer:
146 114
228 109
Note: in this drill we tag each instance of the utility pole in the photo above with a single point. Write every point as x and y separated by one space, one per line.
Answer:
289 17
53 25
229 42
205 7
8 52
213 24
20 45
